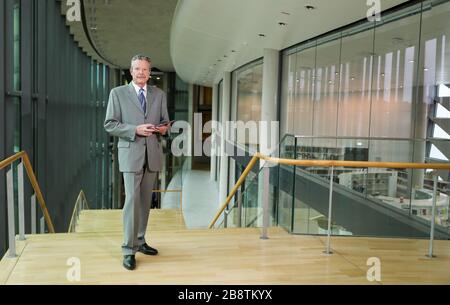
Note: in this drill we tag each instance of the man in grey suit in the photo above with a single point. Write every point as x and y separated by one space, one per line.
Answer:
133 114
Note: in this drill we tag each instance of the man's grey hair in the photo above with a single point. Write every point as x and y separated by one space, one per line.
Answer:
140 57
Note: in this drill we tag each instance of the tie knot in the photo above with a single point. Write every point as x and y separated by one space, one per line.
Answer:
141 90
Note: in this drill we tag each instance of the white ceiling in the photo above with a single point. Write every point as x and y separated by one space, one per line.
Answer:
205 31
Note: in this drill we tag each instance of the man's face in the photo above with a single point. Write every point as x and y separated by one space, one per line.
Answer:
140 72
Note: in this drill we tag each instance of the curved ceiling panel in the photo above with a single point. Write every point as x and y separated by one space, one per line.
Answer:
120 29
209 37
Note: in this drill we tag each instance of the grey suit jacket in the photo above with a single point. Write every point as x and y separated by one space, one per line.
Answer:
124 114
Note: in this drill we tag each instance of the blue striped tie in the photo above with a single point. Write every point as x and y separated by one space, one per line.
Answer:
142 100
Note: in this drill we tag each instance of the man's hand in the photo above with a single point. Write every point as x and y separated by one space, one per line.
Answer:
145 130
162 129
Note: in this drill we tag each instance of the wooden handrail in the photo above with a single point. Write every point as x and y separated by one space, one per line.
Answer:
321 163
37 190
357 164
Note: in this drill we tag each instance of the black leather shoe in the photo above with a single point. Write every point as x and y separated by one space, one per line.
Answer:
129 262
147 250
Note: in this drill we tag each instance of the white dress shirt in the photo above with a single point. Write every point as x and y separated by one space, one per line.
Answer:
137 88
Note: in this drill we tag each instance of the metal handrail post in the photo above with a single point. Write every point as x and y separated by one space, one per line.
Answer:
433 218
225 217
20 181
33 214
11 216
265 202
239 222
42 225
330 208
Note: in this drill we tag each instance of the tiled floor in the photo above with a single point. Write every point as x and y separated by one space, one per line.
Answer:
200 199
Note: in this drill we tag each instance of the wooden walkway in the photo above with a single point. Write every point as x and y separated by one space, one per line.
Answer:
111 221
226 256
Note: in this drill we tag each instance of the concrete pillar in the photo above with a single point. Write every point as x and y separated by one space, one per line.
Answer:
215 107
269 101
226 100
268 115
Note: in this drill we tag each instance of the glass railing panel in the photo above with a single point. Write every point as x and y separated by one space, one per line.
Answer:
243 207
422 196
402 192
255 194
286 185
246 210
250 205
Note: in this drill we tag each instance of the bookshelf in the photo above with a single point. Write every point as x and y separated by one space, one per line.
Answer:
315 153
373 183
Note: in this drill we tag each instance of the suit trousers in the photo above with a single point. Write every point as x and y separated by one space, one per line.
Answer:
138 197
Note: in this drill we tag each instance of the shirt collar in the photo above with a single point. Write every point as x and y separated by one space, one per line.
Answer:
137 88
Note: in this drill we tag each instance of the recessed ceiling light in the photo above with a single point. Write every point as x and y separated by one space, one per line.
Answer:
425 69
261 35
158 78
233 51
353 78
310 7
411 61
285 13
282 24
382 74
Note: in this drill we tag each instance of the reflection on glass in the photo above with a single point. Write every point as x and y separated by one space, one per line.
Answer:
395 64
16 51
354 105
326 82
303 91
17 125
287 91
248 104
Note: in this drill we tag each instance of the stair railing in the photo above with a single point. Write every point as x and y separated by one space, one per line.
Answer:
331 164
25 162
81 204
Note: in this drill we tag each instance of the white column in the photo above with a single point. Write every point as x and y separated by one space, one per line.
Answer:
226 100
268 140
213 133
